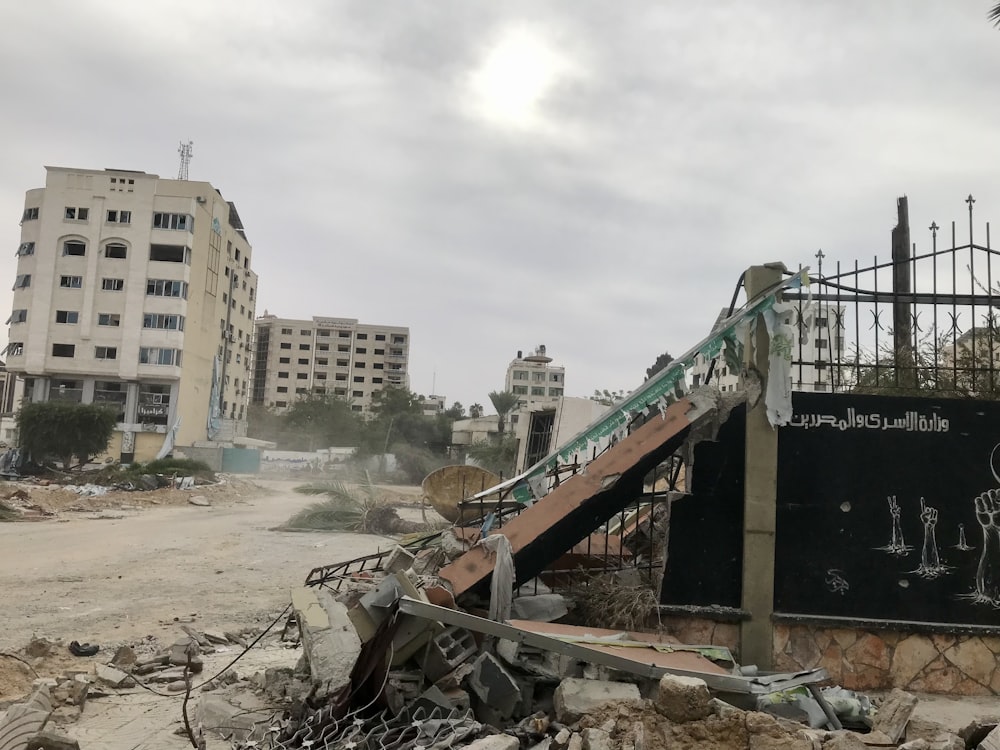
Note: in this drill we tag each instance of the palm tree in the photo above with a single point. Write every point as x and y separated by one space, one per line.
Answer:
994 15
504 402
476 411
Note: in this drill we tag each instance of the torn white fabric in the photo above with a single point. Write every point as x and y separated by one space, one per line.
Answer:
778 396
498 547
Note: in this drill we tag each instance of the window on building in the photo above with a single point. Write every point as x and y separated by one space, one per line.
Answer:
22 281
76 214
519 375
25 248
303 361
395 352
17 316
305 332
155 355
822 322
344 334
111 395
284 360
119 217
284 331
112 285
115 250
282 389
74 247
154 403
15 349
322 347
377 381
343 362
821 343
359 379
302 376
538 377
63 350
360 365
166 288
379 351
71 282
322 361
399 339
67 316
283 375
555 377
285 345
340 376
358 394
163 322
320 333
30 214
173 221
170 253
378 366
355 407
380 337
281 404
237 253
360 350
320 376
105 352
66 390
555 391
536 391
521 390
109 319
304 347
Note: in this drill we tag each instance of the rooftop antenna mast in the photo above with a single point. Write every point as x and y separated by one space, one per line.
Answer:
186 150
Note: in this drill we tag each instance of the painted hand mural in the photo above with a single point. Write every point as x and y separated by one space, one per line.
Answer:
988 572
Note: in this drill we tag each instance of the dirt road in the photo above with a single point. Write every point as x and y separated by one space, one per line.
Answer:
122 575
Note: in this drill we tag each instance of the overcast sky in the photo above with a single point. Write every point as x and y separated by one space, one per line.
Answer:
592 176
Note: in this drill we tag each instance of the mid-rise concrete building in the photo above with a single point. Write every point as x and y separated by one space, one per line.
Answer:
534 379
327 356
135 292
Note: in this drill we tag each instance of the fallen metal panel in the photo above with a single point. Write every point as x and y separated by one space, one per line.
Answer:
723 683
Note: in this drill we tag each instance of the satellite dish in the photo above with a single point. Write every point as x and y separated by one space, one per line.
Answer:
450 485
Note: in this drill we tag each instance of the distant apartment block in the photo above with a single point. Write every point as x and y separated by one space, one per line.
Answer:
327 356
534 379
137 293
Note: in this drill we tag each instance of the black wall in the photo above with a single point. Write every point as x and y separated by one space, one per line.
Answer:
835 553
705 551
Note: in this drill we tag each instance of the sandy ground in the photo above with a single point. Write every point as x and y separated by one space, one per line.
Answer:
110 575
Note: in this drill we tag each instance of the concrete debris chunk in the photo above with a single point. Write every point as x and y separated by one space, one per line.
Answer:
113 677
919 744
540 608
495 742
124 657
893 714
199 500
329 642
51 741
399 560
576 697
991 741
844 740
494 685
683 699
596 739
447 651
25 719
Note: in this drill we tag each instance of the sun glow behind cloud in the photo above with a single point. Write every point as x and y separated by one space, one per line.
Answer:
515 76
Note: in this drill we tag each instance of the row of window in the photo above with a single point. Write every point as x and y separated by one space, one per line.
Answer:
148 355
522 390
322 376
325 333
154 287
182 222
325 348
537 377
157 321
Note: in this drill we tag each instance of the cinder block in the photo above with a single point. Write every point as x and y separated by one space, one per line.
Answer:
448 651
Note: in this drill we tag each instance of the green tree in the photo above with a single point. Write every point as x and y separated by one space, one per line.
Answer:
661 362
324 421
497 455
504 402
456 411
475 411
61 430
606 397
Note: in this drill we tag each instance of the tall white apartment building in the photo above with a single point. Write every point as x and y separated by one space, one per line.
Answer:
535 380
297 359
135 292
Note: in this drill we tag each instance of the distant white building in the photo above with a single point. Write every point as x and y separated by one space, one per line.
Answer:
534 379
432 405
814 355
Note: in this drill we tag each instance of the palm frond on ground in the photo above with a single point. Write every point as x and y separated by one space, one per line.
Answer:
357 510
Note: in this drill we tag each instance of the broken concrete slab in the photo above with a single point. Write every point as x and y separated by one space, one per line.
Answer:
596 739
991 741
51 741
113 677
937 736
894 713
575 697
683 699
844 740
329 642
219 716
495 742
494 685
399 560
25 719
540 608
